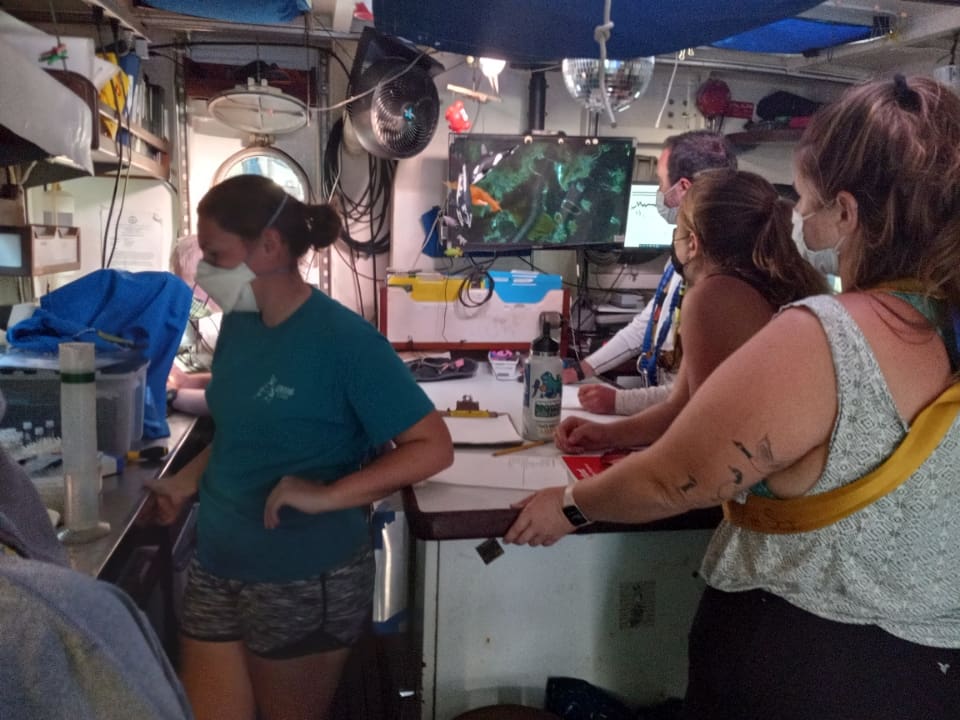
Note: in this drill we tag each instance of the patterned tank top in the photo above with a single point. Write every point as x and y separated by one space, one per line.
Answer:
896 562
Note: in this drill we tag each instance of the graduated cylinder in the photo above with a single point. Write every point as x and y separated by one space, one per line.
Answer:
78 428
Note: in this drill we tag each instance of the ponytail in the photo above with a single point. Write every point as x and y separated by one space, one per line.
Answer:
745 227
787 276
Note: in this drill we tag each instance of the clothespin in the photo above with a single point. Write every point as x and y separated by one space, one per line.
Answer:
54 54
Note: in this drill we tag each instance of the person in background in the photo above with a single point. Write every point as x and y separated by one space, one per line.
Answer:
190 371
303 392
732 246
651 333
70 646
829 595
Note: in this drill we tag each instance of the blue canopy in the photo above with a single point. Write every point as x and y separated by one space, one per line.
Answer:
795 35
539 31
242 11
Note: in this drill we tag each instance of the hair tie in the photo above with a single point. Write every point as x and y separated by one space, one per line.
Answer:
276 213
906 97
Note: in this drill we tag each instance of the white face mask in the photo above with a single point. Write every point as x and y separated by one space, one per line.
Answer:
667 213
228 287
827 261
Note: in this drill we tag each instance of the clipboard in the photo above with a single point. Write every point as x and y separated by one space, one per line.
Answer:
494 429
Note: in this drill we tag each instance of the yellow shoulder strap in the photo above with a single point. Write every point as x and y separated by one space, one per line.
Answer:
812 512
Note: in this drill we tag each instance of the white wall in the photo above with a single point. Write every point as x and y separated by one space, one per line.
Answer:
144 234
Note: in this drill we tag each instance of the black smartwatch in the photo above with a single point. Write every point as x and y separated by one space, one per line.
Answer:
573 513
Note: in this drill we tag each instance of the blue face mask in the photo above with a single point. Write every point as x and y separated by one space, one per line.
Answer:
827 261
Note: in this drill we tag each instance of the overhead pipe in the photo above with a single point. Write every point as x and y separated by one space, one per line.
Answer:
537 104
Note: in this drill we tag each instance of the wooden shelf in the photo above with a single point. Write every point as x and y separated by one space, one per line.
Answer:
752 138
105 160
156 164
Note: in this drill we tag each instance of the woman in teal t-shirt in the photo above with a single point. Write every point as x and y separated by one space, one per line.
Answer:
303 393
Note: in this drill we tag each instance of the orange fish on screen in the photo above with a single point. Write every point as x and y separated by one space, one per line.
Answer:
479 196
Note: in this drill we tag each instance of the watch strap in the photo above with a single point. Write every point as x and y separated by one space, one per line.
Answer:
571 510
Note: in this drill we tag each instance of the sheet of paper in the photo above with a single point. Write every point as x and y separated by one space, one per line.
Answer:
497 430
518 471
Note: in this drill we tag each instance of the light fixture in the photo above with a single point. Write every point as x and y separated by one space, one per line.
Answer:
258 108
491 69
618 81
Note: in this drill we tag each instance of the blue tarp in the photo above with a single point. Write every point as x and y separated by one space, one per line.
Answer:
242 11
146 310
795 36
540 31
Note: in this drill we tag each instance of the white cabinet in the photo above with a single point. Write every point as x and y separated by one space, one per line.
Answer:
613 609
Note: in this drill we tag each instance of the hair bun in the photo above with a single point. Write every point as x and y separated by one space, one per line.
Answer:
323 224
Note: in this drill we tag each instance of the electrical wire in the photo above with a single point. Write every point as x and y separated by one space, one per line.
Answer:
56 31
601 34
123 194
666 98
371 208
476 277
114 25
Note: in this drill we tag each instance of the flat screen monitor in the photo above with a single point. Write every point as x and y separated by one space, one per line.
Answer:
648 234
515 192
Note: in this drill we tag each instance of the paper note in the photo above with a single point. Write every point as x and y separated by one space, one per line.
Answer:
516 471
497 430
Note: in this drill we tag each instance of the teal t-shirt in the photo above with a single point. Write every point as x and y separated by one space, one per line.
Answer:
313 397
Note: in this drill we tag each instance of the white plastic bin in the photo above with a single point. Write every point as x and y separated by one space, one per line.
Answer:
33 396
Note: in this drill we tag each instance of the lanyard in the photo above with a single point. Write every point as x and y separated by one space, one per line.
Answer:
649 352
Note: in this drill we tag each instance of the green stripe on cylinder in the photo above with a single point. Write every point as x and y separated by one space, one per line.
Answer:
77 378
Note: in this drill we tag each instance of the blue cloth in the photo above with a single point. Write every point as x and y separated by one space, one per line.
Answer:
245 11
313 397
146 310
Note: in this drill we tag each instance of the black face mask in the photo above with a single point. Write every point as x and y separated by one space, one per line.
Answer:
677 265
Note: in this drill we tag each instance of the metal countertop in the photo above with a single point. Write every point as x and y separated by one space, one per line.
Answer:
122 498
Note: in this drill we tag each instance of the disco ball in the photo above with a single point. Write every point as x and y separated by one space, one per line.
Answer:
624 81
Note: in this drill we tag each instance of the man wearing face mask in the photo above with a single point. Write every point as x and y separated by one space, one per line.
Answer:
652 331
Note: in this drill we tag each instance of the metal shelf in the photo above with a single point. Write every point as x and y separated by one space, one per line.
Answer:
76 12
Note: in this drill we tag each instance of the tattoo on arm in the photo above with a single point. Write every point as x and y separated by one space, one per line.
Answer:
762 458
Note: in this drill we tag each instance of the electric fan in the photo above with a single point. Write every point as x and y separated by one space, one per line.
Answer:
397 106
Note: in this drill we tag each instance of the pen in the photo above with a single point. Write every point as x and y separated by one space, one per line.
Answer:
518 448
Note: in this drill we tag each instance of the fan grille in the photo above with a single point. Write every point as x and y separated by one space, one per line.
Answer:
399 117
258 110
